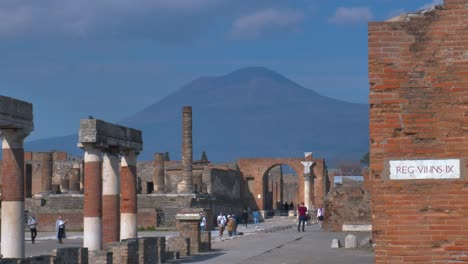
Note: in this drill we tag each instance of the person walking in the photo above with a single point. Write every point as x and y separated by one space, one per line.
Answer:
302 210
234 218
245 218
32 223
230 225
320 216
60 229
256 215
202 222
221 223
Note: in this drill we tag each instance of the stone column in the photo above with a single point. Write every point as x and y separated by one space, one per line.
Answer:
158 176
92 235
12 232
110 197
186 186
128 200
307 179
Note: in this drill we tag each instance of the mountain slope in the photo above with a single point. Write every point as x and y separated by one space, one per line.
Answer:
252 112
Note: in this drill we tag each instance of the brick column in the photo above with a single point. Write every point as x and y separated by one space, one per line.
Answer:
158 176
92 198
12 232
186 186
307 178
128 202
110 197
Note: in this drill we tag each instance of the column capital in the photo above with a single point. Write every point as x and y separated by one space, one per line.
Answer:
92 153
12 138
307 165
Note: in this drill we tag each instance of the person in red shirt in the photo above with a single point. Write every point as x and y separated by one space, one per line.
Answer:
302 210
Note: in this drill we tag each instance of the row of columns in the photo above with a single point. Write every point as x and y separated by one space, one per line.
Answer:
116 204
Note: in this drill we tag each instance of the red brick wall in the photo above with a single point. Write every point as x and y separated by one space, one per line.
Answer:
418 74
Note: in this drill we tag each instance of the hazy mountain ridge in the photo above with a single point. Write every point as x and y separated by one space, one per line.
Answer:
251 112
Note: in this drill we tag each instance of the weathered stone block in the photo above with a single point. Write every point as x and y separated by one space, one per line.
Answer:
16 114
350 241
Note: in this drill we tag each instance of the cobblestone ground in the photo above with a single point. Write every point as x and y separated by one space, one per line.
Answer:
273 241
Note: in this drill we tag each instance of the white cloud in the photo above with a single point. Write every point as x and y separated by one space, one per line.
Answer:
346 15
265 22
82 17
431 4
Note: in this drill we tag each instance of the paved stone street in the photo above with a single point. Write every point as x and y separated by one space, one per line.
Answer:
273 241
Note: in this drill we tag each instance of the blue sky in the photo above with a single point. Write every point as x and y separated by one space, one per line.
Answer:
112 58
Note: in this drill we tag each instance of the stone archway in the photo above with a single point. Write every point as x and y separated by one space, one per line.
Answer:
254 170
275 191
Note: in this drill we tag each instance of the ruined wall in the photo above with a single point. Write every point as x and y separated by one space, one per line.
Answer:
223 183
418 65
172 177
349 203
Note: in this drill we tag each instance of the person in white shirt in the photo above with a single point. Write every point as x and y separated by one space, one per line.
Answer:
32 223
60 229
202 222
221 224
320 216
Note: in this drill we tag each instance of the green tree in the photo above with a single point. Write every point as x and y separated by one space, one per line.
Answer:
166 156
204 158
365 159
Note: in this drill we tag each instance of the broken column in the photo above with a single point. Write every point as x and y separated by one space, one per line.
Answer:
16 122
158 176
111 196
112 139
128 215
186 185
307 177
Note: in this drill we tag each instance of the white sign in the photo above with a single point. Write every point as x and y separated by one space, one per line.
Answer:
424 169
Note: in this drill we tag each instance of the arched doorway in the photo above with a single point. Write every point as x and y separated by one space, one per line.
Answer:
280 186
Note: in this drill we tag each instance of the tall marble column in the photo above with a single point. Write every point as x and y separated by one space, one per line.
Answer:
12 236
307 178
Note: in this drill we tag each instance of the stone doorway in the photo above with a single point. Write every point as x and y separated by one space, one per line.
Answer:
280 186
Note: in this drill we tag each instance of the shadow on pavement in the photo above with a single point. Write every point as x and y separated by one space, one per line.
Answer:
199 257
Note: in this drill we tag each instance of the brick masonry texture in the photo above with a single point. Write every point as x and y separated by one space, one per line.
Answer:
418 73
93 189
110 218
128 189
12 175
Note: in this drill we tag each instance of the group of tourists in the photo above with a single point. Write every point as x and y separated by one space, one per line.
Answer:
230 222
59 228
304 217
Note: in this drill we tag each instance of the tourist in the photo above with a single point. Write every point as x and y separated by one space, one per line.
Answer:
230 225
234 218
202 222
320 216
302 210
60 229
291 205
286 207
221 223
32 223
245 218
256 215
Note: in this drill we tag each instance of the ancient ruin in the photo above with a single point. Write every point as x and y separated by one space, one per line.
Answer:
109 186
16 122
418 131
118 194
